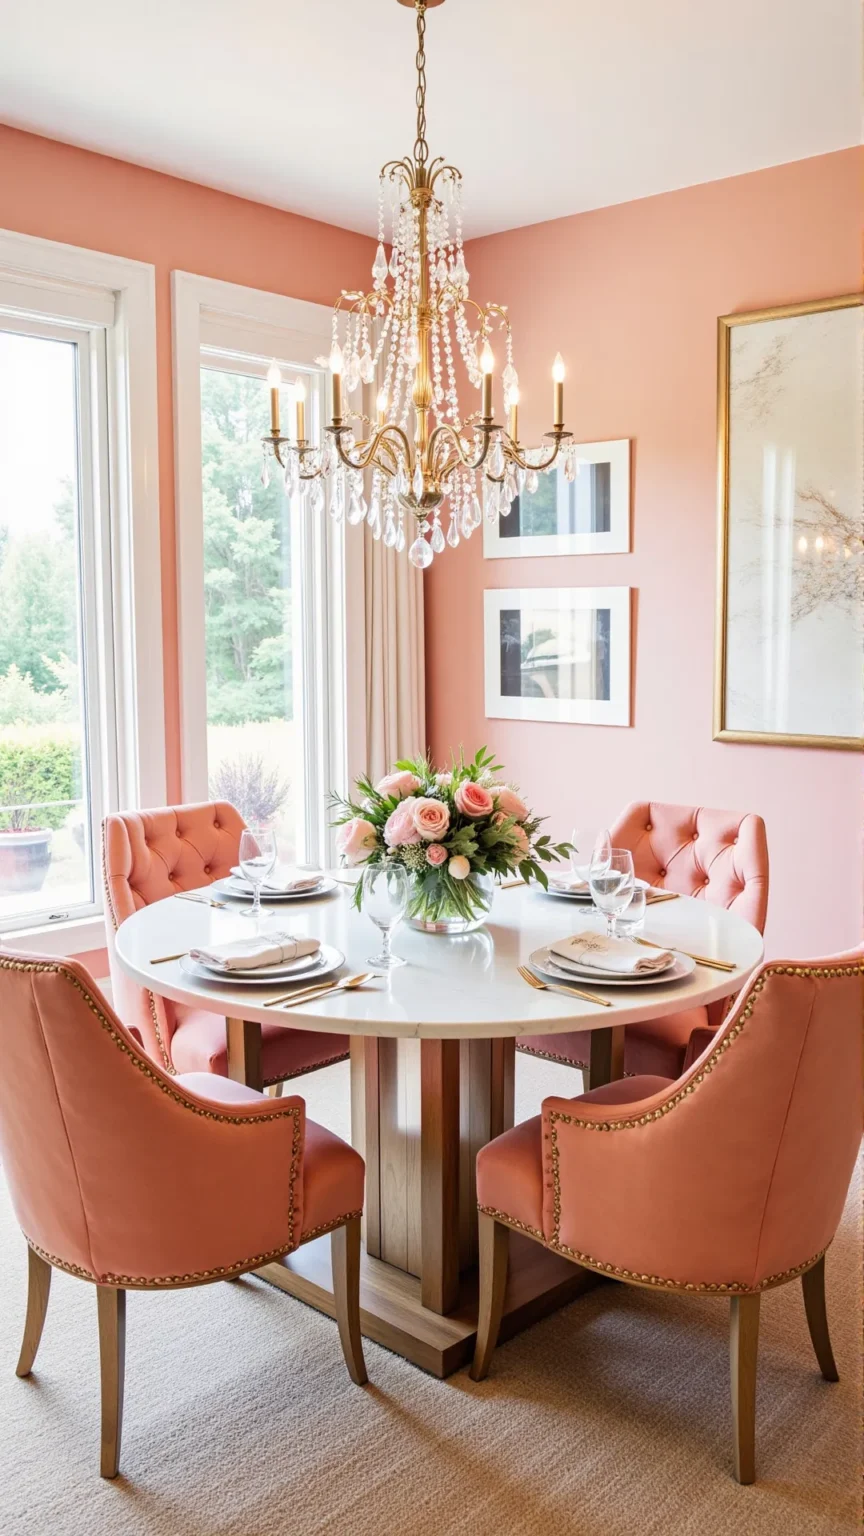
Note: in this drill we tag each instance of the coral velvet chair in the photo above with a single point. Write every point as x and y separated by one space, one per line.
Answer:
148 855
133 1179
727 1182
717 856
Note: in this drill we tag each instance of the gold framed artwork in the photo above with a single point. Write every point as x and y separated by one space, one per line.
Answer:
790 615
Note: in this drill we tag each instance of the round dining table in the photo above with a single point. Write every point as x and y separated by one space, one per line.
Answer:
432 1075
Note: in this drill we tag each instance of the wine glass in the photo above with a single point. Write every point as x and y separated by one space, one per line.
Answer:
612 885
257 858
633 916
589 848
385 897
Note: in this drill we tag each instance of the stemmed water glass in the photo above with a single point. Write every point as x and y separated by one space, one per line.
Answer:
587 849
257 859
612 885
385 898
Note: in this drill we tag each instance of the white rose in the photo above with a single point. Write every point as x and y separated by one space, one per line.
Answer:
459 867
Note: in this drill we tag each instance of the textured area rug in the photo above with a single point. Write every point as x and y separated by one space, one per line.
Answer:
609 1419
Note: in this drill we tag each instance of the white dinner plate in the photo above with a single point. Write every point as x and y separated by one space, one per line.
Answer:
583 896
546 966
231 886
308 968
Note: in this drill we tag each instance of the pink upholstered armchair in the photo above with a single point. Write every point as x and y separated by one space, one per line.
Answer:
148 855
133 1179
717 856
728 1182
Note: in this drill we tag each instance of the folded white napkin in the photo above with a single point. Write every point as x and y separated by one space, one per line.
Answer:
246 954
618 956
570 883
284 881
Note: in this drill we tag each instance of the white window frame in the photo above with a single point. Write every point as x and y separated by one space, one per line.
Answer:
113 300
329 684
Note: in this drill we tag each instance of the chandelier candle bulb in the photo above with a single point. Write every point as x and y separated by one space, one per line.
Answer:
300 398
487 363
382 406
274 379
513 402
558 371
336 382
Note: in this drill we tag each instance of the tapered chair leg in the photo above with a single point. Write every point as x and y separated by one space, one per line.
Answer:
38 1289
813 1286
345 1256
743 1351
111 1305
494 1251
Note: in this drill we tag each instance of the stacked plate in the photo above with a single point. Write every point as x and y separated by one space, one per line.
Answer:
556 968
579 891
238 886
309 968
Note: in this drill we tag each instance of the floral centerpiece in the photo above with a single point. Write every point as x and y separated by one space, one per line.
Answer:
455 832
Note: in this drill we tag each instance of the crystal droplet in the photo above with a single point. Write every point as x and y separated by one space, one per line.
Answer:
437 539
402 481
496 461
352 377
531 481
367 367
379 266
509 378
417 483
476 511
570 468
394 262
389 531
441 271
420 554
373 517
400 540
316 500
265 474
453 532
356 509
412 352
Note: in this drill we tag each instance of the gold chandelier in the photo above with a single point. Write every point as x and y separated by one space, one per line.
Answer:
418 450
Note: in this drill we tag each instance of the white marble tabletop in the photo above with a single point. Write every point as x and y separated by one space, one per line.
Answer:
451 987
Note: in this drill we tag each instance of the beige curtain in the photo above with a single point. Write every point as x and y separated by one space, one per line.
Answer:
395 662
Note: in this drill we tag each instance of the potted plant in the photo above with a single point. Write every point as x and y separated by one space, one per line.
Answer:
37 792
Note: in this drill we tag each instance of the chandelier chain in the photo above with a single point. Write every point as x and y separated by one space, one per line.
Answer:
421 148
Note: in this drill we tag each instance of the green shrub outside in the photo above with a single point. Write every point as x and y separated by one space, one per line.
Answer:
35 768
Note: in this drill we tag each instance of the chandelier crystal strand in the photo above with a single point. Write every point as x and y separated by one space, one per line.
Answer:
425 452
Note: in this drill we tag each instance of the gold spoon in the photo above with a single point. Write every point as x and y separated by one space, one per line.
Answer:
323 989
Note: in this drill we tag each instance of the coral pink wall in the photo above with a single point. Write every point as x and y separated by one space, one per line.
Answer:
68 194
631 295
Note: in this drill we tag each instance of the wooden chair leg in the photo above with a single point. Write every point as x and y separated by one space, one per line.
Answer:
743 1351
38 1288
494 1252
275 1090
813 1286
345 1256
111 1304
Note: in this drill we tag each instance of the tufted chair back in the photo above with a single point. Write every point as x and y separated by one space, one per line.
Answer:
718 856
147 855
747 1157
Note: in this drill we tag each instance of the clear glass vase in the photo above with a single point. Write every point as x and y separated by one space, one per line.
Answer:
431 909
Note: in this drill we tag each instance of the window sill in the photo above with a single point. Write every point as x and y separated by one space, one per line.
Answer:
58 939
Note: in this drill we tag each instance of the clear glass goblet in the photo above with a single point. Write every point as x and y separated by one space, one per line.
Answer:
589 848
257 860
612 886
385 898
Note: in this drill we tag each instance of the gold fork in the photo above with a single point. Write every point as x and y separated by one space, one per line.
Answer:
548 986
203 901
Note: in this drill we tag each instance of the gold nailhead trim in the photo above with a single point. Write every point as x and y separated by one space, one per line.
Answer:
723 1045
143 1066
328 1061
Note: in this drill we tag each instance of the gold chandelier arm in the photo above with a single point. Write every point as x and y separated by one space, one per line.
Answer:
369 449
514 454
446 434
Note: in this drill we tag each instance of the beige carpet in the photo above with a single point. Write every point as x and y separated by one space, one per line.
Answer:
611 1417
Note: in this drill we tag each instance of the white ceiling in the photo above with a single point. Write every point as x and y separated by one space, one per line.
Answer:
549 107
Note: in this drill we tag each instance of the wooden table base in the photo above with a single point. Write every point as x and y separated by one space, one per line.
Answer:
392 1313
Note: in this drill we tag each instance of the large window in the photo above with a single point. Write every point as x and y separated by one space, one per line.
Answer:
251 535
54 661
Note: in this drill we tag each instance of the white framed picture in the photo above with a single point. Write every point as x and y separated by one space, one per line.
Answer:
558 653
588 515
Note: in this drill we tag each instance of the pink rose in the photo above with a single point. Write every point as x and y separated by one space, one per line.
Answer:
400 784
431 818
473 800
399 828
436 854
356 839
520 838
498 818
510 804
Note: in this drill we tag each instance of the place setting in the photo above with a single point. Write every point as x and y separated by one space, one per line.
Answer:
588 849
259 875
